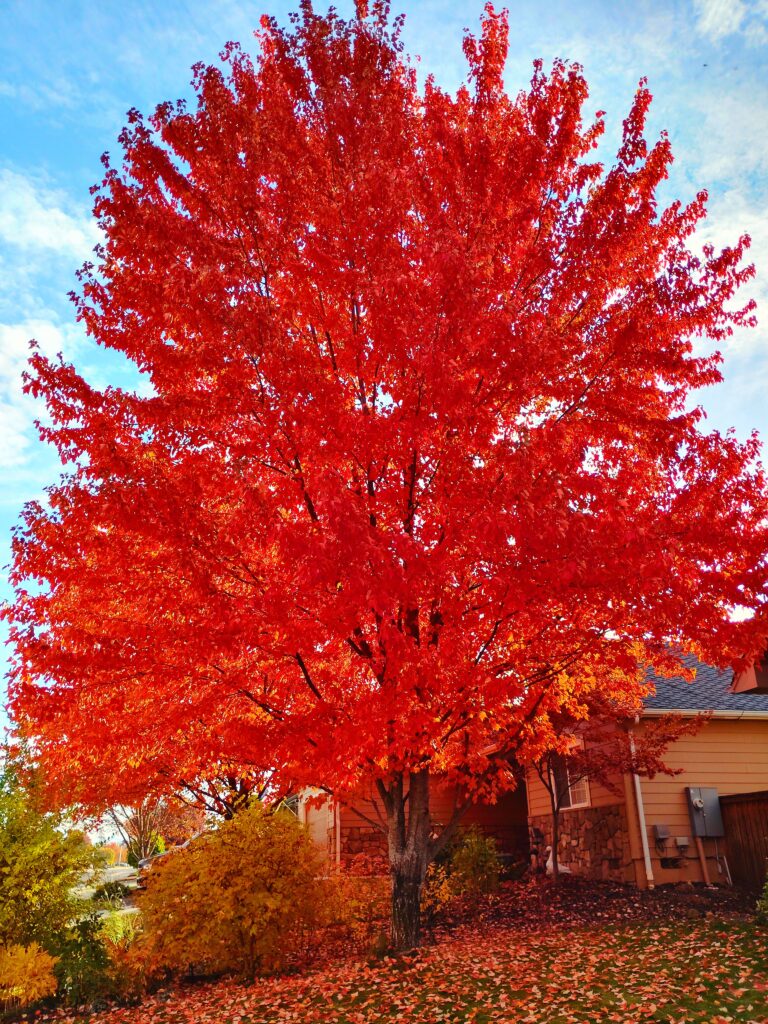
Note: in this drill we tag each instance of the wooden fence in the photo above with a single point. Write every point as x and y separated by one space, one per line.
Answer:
745 818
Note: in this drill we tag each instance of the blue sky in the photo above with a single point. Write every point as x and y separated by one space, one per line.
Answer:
70 69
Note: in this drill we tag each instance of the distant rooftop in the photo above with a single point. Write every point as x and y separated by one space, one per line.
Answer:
710 691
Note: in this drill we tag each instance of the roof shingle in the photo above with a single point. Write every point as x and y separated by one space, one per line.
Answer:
710 691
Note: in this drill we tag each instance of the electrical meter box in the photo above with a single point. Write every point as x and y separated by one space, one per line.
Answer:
704 810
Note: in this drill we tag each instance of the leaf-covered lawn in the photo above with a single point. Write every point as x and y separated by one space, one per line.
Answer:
704 971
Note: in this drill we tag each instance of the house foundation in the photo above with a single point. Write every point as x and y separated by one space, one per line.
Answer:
594 841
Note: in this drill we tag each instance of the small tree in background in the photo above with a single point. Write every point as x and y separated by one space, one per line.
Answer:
154 824
113 853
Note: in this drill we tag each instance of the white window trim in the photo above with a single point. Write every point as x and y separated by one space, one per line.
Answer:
581 782
585 782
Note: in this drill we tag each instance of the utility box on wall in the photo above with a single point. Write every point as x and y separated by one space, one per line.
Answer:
704 810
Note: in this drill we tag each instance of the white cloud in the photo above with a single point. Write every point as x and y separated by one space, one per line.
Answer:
740 400
41 96
732 214
44 237
729 146
717 19
34 216
17 410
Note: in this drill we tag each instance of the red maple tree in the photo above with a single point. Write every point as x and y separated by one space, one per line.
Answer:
418 439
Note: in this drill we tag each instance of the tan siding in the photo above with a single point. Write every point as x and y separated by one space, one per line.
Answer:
538 797
732 757
509 806
599 795
506 820
364 806
319 821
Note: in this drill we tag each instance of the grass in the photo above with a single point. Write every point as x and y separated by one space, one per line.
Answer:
688 972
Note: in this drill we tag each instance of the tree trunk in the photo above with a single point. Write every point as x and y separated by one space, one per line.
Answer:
406 908
410 852
555 845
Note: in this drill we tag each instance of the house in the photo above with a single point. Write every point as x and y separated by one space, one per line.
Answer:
647 834
344 832
708 823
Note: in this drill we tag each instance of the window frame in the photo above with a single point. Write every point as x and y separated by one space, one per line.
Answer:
571 805
587 802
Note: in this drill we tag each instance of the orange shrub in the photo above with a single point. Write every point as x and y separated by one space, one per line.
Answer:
241 898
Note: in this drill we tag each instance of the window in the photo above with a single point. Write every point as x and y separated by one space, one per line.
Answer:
291 803
572 793
578 792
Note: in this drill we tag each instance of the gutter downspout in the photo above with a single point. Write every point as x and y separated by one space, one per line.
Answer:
337 823
641 816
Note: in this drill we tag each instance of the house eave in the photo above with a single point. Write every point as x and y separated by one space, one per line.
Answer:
756 716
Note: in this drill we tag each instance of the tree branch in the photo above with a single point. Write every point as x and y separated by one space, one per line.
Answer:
307 677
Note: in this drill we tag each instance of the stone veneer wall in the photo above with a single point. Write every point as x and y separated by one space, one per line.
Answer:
362 839
594 841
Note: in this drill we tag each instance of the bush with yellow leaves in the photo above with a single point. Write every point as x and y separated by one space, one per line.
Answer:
242 898
356 908
26 975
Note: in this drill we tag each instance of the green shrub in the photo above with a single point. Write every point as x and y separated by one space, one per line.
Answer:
97 959
761 914
111 894
474 864
82 967
469 867
241 898
41 863
125 973
120 926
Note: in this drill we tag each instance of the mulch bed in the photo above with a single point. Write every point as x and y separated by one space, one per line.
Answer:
535 903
